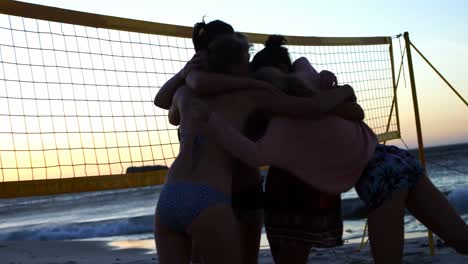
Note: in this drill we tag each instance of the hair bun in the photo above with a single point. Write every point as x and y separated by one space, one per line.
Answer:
276 41
199 28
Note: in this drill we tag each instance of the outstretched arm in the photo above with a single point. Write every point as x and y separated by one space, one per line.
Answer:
259 153
307 101
266 96
208 83
305 107
252 153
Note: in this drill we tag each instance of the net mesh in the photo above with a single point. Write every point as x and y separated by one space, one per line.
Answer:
367 68
77 101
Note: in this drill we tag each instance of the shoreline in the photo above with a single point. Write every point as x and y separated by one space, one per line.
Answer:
143 252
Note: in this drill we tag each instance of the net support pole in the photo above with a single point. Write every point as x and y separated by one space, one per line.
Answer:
395 85
394 100
422 157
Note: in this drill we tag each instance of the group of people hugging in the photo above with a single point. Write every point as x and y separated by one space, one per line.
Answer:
235 115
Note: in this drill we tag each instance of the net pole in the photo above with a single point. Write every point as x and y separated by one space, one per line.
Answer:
394 83
422 157
395 86
395 91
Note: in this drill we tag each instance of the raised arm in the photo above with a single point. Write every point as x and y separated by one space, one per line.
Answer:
164 96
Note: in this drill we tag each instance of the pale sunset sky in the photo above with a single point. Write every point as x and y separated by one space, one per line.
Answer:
437 28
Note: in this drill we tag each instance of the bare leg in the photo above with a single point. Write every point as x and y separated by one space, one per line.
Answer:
386 229
432 209
289 253
251 230
274 248
172 247
216 233
195 257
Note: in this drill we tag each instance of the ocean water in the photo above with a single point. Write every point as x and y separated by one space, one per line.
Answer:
128 214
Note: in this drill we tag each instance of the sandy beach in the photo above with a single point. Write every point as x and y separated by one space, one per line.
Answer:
143 252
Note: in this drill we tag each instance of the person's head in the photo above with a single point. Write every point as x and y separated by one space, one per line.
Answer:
204 33
274 55
229 54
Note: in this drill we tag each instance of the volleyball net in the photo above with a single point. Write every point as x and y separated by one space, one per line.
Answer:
77 90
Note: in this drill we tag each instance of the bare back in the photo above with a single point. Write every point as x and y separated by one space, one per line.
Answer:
201 159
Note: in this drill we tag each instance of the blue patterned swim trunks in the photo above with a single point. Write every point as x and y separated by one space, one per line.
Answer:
390 169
